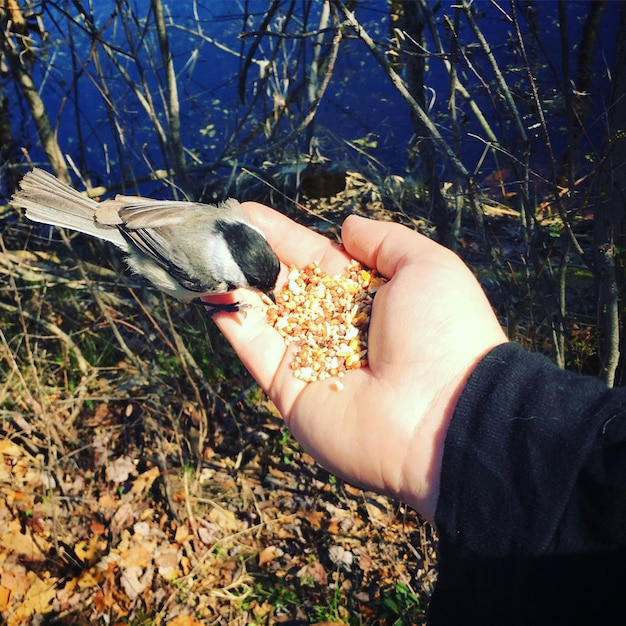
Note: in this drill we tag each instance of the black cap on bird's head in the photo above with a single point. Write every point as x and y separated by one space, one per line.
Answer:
252 253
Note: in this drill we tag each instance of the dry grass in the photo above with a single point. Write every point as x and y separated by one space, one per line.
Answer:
145 479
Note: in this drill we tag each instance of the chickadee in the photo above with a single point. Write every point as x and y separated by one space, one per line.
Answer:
186 249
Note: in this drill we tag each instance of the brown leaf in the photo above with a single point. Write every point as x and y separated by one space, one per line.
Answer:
100 601
314 573
138 556
96 527
37 599
224 518
14 540
144 481
184 620
166 560
315 518
13 578
365 562
108 502
183 534
261 610
5 594
333 527
267 555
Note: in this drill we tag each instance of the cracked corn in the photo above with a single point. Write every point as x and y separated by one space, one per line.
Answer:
326 318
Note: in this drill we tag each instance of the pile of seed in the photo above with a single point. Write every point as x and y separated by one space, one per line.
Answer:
327 318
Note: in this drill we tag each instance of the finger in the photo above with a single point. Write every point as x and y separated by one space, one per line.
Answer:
382 245
293 243
261 349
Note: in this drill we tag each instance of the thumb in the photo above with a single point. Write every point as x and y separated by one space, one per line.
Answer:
382 245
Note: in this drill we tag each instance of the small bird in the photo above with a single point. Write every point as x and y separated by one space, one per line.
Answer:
186 249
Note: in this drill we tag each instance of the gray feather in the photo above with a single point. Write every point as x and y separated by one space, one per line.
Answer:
47 200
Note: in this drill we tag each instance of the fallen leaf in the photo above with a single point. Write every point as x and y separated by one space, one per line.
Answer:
341 557
224 518
365 562
135 581
261 610
107 502
315 518
9 448
96 527
138 556
21 542
144 481
13 577
86 550
267 555
184 620
5 594
119 470
313 573
182 534
38 598
100 601
87 580
166 561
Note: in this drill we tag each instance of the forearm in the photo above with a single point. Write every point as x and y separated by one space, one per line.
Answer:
522 434
533 481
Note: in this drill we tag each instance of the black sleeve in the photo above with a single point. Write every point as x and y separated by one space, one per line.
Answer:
532 509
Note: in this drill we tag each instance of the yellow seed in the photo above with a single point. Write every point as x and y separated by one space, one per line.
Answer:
352 360
354 344
376 284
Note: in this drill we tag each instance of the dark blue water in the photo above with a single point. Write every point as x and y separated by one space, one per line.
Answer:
362 121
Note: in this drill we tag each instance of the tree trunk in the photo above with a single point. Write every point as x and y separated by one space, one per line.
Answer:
609 233
12 52
175 142
415 20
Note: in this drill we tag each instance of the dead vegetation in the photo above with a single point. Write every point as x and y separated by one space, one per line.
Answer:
144 478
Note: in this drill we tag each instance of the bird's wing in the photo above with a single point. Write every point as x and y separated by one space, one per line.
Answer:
149 225
135 212
154 243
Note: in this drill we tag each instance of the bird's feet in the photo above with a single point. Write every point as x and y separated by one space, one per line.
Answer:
226 307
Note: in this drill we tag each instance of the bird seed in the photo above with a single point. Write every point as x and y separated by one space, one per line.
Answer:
326 318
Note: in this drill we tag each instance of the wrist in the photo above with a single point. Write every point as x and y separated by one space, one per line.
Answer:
423 463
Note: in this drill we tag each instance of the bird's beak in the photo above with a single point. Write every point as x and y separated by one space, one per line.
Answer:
271 296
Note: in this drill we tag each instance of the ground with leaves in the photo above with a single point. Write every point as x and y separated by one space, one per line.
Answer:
145 479
117 531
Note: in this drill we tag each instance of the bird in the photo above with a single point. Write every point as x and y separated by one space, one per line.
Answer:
186 249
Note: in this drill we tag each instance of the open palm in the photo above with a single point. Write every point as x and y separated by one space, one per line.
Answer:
430 325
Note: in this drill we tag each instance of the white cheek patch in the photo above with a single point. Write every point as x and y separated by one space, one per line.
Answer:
219 261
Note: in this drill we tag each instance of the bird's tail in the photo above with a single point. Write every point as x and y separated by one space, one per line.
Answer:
50 201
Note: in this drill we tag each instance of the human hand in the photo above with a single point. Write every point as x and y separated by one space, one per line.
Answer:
430 325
